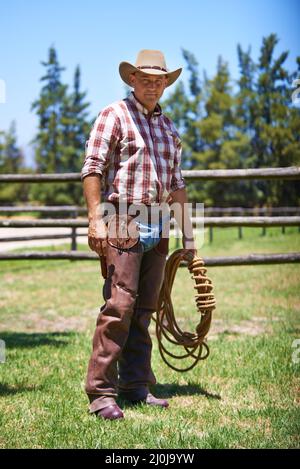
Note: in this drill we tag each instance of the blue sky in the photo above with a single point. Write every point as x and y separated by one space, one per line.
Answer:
98 35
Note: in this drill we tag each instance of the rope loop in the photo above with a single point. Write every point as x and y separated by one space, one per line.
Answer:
166 325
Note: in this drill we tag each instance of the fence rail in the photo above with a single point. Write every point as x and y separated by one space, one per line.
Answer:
77 210
291 172
72 209
35 237
251 259
210 221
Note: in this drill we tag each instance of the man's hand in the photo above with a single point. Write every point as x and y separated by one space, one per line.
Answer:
189 248
97 235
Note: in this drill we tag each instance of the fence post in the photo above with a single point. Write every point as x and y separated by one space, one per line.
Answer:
210 234
74 239
283 227
74 234
176 232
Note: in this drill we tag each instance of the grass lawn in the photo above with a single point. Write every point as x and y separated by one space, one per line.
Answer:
245 395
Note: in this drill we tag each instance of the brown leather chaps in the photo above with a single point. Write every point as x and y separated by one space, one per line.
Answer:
121 356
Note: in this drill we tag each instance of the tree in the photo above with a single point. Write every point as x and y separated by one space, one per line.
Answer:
255 125
63 128
223 144
266 114
49 150
11 162
76 127
185 107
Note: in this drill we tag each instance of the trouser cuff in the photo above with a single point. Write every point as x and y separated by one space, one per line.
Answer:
134 394
99 402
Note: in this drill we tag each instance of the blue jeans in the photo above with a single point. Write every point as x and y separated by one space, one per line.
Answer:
150 234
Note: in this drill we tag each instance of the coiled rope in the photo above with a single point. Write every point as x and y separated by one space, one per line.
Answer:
166 324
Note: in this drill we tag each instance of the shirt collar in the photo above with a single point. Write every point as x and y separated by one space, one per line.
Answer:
132 98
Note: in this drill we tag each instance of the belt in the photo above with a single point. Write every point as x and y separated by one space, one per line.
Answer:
149 214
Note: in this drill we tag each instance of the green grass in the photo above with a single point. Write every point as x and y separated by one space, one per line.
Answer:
245 395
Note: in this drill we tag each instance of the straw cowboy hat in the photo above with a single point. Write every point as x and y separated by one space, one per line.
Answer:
151 62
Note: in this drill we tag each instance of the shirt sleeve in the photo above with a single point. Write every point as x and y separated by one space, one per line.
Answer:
177 181
102 142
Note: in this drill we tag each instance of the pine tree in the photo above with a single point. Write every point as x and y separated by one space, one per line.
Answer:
254 126
76 127
246 110
266 114
223 143
48 143
185 107
63 129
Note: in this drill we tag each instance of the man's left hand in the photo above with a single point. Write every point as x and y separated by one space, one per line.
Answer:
189 248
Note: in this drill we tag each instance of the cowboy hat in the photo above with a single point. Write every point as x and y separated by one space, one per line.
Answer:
151 62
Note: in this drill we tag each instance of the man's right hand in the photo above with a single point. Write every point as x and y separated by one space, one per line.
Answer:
97 235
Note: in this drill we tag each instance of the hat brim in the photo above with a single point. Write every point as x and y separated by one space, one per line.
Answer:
126 69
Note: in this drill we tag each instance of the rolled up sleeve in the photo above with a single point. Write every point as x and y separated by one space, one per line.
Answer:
102 142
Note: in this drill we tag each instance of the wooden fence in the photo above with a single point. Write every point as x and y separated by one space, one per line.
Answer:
73 211
290 173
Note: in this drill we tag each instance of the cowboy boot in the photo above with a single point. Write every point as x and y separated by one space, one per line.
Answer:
105 407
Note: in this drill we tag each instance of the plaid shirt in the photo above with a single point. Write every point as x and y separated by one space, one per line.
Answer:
138 157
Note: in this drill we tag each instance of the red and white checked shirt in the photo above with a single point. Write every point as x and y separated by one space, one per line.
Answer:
138 157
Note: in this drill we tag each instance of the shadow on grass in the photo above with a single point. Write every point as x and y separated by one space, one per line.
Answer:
30 340
171 390
166 391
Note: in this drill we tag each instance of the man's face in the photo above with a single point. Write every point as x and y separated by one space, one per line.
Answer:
148 88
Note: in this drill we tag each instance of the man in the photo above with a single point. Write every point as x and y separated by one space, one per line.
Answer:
134 152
